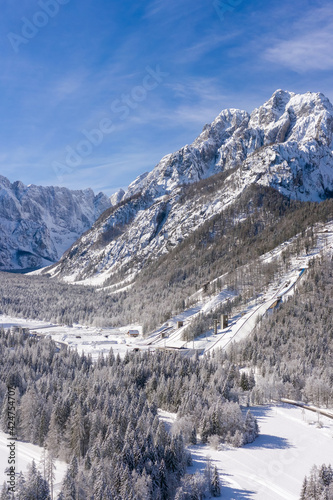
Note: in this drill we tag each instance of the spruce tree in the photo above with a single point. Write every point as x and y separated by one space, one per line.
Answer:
215 487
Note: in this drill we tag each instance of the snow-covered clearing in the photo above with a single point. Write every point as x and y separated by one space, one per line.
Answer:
25 453
274 466
291 441
91 340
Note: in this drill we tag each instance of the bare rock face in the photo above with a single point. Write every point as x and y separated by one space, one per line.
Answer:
37 224
285 144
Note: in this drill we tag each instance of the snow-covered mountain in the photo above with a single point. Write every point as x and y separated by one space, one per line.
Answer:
285 144
37 224
287 141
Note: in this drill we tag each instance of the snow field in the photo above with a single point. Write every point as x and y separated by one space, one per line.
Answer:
25 453
274 465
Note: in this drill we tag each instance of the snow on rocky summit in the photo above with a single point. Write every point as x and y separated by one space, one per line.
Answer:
285 144
37 224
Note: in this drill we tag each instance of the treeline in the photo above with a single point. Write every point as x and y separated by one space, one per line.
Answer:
43 298
102 417
31 486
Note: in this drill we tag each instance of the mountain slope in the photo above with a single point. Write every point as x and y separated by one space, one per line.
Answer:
285 144
37 224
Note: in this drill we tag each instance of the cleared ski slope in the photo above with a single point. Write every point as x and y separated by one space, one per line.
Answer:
244 322
95 341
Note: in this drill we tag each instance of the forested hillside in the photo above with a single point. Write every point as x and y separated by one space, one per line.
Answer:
293 349
285 144
229 244
103 419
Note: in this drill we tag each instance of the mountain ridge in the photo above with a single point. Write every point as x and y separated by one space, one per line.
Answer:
37 224
265 126
285 144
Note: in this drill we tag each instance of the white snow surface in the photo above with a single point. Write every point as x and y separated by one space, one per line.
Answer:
90 340
290 442
244 321
24 454
274 465
95 341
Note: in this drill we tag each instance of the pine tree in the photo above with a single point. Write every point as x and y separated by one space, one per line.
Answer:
28 410
20 487
43 427
77 432
74 467
215 487
68 490
251 428
5 494
163 483
170 459
50 470
36 488
100 484
4 415
244 382
304 490
193 436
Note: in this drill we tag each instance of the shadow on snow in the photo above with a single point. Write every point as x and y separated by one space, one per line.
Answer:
267 441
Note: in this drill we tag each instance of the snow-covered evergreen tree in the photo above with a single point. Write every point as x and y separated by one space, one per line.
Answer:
35 488
215 487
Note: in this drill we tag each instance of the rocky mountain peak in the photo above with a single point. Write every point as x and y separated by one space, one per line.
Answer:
37 224
285 144
286 118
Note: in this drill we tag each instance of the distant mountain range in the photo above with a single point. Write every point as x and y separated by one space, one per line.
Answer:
286 144
37 224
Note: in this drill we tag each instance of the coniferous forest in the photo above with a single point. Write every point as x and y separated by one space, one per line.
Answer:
102 418
293 348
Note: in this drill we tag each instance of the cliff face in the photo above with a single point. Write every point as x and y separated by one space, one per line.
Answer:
37 224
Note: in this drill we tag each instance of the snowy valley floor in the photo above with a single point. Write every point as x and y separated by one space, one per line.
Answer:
274 466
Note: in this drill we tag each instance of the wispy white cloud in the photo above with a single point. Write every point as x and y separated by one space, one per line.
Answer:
154 8
206 44
305 53
204 88
171 11
310 45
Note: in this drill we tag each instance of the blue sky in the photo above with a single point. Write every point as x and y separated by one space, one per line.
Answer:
96 92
